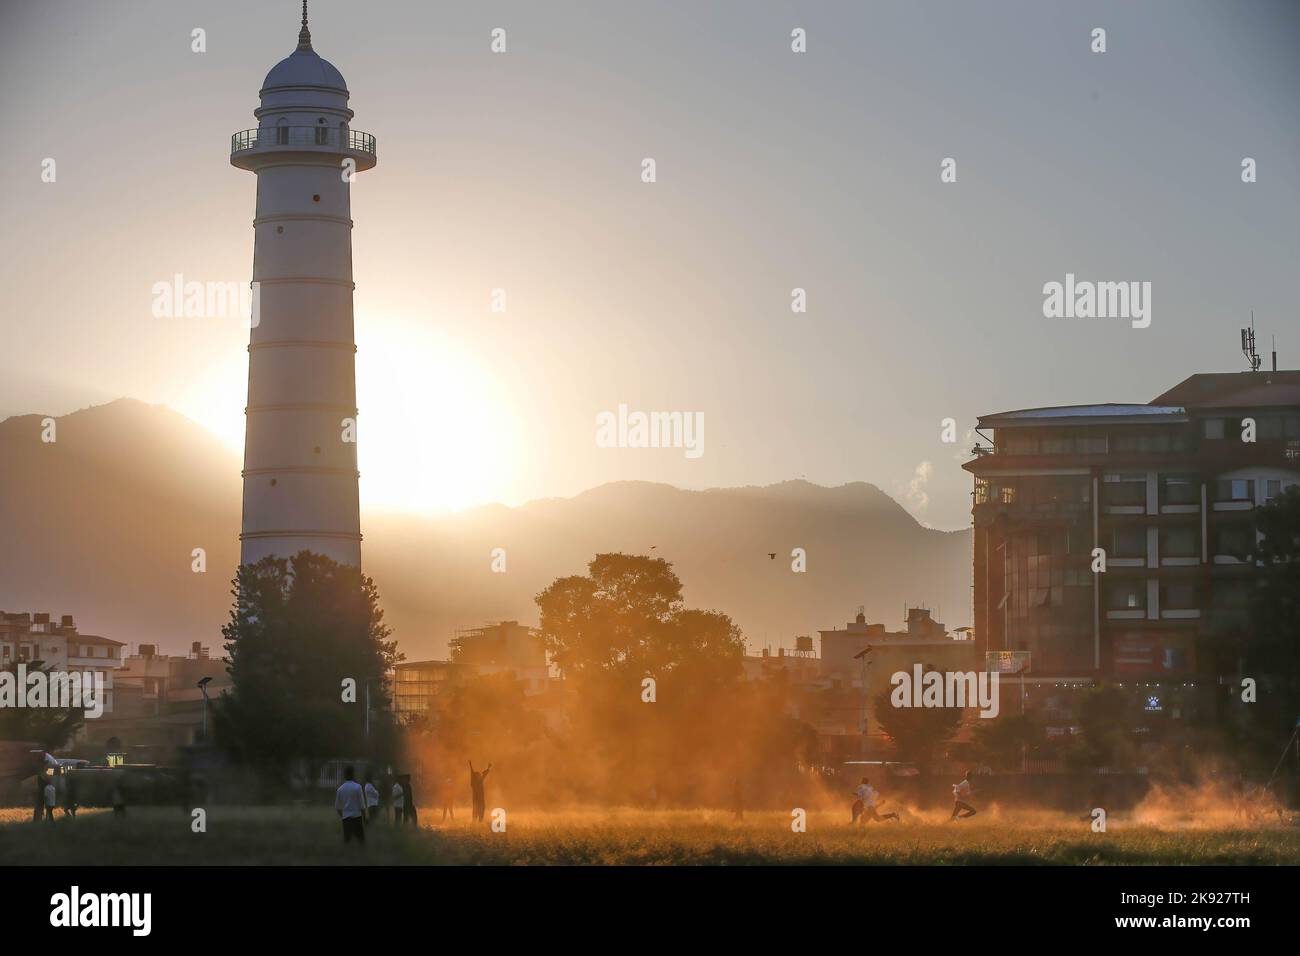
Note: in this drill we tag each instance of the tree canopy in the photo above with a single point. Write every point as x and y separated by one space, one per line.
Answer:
299 629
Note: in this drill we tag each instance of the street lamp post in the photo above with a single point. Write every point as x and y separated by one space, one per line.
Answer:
203 686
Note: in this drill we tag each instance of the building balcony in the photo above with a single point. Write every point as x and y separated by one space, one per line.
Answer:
986 512
250 146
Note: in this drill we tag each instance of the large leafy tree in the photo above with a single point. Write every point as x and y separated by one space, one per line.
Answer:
1271 654
610 630
1004 742
915 733
300 628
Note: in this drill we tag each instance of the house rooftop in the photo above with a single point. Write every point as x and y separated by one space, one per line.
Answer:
1111 413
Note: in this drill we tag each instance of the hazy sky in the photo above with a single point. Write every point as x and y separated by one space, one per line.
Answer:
775 170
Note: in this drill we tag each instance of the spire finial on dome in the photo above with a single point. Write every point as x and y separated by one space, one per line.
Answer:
304 35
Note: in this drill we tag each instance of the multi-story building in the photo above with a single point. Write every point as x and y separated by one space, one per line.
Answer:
28 638
417 685
1167 492
505 646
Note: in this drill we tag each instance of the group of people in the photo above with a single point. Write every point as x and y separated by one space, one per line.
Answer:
867 799
49 798
358 805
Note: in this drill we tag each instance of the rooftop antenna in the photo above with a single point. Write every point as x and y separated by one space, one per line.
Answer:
1248 345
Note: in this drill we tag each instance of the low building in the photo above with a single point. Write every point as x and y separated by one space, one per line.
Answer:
161 704
31 638
859 660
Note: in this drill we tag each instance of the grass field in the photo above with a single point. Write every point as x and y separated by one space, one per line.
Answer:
278 835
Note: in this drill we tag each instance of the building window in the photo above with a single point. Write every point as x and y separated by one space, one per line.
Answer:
1126 596
1149 443
1269 429
1124 490
1179 595
282 133
1212 428
1179 490
1179 543
1129 542
1234 489
1237 541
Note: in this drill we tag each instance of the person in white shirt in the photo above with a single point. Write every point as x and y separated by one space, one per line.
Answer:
961 808
399 803
349 803
372 799
864 808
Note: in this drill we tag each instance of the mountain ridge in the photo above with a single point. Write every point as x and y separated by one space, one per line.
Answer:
104 520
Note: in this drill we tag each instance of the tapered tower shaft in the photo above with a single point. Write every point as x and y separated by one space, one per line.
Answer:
300 460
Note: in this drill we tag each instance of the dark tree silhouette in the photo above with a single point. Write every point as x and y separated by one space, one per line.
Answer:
50 727
299 629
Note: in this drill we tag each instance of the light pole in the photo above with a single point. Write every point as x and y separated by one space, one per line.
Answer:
203 686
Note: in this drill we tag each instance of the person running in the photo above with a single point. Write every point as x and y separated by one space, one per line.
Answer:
350 804
476 790
961 808
399 798
372 800
864 808
70 795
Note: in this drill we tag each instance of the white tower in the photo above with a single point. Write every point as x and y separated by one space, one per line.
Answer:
300 459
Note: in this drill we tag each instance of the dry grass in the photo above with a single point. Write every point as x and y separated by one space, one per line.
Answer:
279 835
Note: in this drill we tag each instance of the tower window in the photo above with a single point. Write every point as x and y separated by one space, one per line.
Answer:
273 482
316 198
279 229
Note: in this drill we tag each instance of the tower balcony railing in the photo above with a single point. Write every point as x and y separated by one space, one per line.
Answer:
302 137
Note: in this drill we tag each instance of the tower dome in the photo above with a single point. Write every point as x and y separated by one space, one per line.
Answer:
304 68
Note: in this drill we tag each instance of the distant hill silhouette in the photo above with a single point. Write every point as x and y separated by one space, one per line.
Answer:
101 524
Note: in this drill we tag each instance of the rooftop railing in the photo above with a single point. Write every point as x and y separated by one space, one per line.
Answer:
299 137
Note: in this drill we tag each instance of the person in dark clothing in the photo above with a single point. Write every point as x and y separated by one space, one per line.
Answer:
118 798
39 810
448 799
70 795
476 790
408 802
